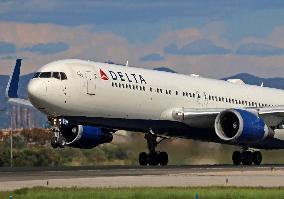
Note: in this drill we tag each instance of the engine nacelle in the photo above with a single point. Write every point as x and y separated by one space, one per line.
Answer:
85 137
236 125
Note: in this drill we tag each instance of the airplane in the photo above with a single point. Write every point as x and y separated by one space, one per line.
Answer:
86 102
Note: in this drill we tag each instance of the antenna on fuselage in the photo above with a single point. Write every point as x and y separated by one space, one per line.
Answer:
126 64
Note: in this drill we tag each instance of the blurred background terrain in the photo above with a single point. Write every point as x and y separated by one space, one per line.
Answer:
32 148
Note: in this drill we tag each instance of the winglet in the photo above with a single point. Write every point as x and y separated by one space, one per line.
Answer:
13 84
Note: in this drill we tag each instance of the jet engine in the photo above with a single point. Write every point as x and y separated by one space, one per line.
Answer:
237 125
85 137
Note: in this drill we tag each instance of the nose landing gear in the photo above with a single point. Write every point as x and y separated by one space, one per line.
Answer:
57 139
247 157
154 157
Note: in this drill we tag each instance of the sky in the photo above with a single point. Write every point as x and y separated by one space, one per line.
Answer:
210 38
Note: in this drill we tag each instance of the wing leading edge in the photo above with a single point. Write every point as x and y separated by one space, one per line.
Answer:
205 118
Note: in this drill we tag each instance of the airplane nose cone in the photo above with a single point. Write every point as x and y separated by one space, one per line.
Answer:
34 90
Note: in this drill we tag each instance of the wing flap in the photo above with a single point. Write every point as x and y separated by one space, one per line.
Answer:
273 116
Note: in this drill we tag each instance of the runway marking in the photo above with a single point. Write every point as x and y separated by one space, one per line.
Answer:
135 176
150 181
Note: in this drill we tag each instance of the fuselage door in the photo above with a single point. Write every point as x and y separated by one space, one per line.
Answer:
91 82
202 98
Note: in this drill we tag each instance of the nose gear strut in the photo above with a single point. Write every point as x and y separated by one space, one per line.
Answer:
57 139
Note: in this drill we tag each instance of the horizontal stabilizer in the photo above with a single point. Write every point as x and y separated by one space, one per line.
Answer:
21 102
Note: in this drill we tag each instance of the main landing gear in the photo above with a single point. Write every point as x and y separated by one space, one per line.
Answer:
153 157
247 157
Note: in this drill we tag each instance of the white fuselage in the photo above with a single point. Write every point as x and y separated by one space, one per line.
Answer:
135 93
119 97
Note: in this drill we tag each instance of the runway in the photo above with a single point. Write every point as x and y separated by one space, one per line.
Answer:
137 176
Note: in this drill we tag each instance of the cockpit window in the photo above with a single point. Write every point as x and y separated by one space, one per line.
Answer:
63 76
56 75
45 75
36 75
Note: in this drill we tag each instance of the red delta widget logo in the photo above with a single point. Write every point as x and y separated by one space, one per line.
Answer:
122 76
103 75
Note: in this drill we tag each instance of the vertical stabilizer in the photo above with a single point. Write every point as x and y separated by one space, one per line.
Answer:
13 84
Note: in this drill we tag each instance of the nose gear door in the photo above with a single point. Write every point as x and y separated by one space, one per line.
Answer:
91 82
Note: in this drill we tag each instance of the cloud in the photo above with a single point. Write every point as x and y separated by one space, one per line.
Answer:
199 47
258 49
7 47
130 18
86 43
43 43
152 57
49 48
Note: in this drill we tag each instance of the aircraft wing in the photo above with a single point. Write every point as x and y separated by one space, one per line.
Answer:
13 85
205 118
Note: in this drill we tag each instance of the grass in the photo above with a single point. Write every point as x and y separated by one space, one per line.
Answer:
147 193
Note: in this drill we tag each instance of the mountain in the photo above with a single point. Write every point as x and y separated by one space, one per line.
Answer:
165 69
276 82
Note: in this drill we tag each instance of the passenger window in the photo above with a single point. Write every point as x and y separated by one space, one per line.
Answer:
56 75
45 75
63 76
